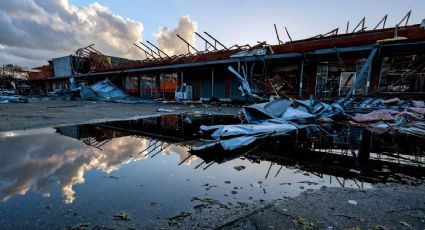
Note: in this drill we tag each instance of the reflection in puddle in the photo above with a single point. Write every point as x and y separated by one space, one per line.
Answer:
40 162
130 165
38 158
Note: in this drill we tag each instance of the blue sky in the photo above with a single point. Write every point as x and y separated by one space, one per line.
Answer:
248 21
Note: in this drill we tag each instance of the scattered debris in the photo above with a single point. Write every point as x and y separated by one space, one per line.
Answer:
166 110
419 104
353 202
285 183
304 223
239 168
209 187
266 120
283 116
153 203
122 216
377 115
13 99
177 219
78 227
208 201
405 224
200 206
354 171
305 182
392 101
106 91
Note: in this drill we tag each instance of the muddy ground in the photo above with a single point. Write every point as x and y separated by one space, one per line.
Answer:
383 207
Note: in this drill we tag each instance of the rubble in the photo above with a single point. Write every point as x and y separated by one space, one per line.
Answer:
166 110
392 101
245 88
420 104
417 110
7 92
375 116
265 120
13 99
282 116
106 91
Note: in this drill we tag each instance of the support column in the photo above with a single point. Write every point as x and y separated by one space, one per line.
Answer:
365 145
301 78
163 78
141 86
139 80
212 82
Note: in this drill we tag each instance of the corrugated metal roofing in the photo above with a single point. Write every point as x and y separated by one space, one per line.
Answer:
108 90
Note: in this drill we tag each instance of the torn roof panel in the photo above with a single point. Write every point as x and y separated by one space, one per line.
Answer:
107 90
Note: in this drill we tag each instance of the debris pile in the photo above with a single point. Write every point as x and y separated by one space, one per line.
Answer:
392 115
280 117
270 119
375 116
13 99
101 91
7 92
11 96
106 91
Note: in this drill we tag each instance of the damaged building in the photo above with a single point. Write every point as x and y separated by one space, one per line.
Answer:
388 61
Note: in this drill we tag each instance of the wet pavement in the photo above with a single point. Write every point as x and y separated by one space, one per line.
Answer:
133 174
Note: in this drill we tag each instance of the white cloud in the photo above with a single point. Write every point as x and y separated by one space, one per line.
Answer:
170 43
35 31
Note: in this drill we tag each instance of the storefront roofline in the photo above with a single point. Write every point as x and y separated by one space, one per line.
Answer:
241 59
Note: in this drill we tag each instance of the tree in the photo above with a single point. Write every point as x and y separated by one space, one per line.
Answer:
8 73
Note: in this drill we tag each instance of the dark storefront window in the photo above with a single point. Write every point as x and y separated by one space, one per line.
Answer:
148 86
132 84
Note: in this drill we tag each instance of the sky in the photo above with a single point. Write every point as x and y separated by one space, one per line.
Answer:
41 29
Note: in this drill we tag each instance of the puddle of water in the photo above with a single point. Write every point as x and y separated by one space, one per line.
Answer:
57 177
